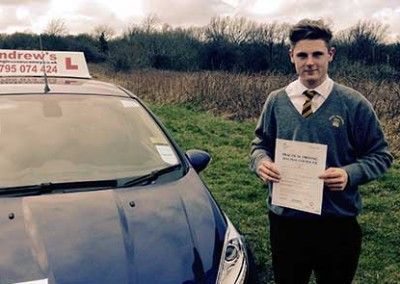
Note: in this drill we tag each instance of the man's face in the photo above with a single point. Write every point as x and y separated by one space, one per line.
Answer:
311 59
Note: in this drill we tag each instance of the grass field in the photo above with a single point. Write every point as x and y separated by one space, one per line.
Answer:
242 196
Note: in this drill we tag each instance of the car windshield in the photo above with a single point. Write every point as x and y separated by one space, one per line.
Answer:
64 138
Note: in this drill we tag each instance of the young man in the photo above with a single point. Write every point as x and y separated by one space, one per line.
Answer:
315 109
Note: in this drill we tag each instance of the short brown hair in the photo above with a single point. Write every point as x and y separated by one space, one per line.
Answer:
310 29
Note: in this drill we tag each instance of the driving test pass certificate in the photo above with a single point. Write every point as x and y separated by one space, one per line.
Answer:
300 164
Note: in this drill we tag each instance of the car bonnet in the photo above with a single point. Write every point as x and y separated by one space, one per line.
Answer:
169 233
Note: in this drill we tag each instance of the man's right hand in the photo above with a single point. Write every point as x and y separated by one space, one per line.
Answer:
268 171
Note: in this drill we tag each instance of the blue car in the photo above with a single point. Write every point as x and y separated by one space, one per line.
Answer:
93 189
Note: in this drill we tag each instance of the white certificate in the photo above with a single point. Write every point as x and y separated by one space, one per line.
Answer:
299 164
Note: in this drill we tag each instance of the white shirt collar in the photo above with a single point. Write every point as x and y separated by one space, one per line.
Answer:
296 88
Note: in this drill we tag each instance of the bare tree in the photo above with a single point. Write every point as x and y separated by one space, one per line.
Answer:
364 41
106 30
217 29
239 30
198 33
374 31
56 27
275 35
343 37
150 23
366 30
131 30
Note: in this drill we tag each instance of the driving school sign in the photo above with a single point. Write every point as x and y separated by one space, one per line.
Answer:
36 63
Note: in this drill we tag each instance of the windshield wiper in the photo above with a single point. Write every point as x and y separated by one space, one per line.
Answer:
49 187
63 187
147 178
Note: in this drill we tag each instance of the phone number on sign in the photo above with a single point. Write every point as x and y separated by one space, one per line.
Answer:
27 68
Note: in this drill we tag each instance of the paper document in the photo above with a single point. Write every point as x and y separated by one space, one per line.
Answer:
300 164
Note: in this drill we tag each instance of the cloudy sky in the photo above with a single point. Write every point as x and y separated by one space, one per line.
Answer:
81 16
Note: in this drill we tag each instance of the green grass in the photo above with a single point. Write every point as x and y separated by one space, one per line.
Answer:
242 196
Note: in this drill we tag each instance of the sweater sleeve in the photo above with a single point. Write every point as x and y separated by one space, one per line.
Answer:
373 157
263 145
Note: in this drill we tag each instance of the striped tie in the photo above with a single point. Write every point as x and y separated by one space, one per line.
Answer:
307 111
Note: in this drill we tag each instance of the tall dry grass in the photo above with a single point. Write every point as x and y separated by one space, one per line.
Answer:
240 96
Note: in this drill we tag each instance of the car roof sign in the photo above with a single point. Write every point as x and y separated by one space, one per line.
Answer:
36 63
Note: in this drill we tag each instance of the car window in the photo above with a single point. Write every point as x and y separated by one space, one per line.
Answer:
63 138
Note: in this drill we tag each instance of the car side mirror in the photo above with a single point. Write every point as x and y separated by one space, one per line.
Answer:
198 159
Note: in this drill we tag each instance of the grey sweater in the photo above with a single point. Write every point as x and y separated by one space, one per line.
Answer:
347 124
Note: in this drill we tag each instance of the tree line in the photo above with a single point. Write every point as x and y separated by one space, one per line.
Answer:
226 43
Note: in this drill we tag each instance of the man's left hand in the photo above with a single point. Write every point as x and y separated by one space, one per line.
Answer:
335 178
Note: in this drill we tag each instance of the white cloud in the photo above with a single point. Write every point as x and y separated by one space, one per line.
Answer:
265 7
22 13
184 12
23 2
391 17
83 15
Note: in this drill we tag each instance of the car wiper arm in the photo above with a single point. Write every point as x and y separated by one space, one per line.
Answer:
49 187
147 178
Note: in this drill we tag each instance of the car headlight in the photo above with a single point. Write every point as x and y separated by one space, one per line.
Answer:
234 264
